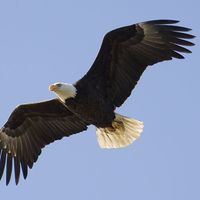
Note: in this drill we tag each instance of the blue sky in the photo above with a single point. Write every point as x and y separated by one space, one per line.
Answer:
45 41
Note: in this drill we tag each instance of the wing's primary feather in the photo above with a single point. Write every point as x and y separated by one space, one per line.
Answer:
126 52
29 128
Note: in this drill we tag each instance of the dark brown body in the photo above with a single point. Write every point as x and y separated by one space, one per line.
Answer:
91 105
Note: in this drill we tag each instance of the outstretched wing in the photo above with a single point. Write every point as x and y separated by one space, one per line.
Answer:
126 52
31 127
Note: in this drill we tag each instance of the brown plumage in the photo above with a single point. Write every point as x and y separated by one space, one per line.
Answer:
124 55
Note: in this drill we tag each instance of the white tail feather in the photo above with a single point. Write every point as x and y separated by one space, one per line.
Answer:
124 132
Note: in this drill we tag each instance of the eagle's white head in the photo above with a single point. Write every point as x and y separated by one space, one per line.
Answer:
63 90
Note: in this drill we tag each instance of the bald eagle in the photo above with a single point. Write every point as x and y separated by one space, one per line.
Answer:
124 55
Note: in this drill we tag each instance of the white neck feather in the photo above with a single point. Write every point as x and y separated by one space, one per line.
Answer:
66 91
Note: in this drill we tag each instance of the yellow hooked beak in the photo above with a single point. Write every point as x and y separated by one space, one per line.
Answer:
52 87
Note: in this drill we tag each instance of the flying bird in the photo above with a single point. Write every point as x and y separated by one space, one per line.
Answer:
124 55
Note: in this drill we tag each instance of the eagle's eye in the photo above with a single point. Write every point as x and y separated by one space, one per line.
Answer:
59 85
